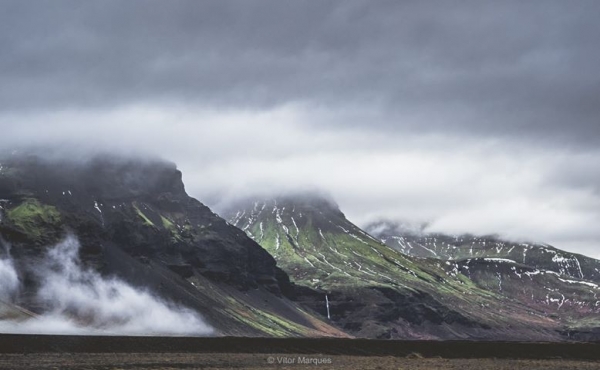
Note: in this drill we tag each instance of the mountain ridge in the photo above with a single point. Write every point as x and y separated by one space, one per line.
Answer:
319 248
468 246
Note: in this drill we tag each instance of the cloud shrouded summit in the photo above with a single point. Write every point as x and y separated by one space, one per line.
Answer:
472 116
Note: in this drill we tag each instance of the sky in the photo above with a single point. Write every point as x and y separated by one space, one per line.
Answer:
464 116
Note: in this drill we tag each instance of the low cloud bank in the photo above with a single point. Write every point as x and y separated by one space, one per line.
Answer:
9 280
81 301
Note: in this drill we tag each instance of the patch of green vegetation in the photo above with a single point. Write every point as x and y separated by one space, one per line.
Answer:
143 216
585 322
268 323
287 325
252 322
32 217
274 240
169 225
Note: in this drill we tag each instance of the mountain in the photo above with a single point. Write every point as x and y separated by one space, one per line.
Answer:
565 285
114 229
110 245
376 291
446 247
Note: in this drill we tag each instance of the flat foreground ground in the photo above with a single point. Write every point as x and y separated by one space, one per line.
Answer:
112 352
261 361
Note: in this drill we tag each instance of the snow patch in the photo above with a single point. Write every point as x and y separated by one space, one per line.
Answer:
580 282
306 259
296 226
505 260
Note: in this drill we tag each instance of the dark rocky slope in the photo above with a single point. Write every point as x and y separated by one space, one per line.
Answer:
135 221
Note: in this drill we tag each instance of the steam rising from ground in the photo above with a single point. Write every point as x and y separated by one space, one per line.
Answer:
9 280
81 301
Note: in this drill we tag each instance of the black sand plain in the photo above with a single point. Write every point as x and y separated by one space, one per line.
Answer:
111 352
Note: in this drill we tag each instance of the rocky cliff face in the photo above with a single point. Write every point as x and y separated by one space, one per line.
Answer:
141 206
134 220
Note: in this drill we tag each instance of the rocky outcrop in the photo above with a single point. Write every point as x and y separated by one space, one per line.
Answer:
140 206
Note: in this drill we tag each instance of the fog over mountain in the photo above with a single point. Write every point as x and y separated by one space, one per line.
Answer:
477 117
110 306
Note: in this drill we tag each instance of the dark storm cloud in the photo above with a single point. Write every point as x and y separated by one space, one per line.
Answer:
481 68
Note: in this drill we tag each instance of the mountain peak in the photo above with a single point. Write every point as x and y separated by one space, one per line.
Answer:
106 176
309 199
384 227
312 239
295 203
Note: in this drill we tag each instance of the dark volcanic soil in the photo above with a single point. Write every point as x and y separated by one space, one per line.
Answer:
260 361
30 344
72 352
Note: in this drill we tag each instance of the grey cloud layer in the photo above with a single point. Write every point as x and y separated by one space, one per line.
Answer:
502 68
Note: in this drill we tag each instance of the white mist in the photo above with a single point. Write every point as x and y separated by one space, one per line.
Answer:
81 301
